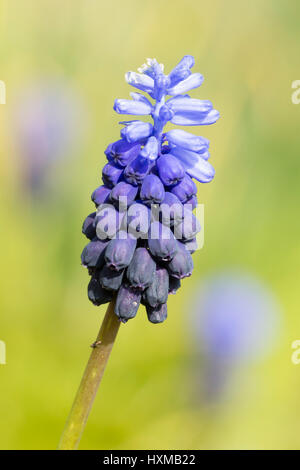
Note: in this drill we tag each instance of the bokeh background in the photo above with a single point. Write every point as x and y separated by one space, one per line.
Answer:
203 379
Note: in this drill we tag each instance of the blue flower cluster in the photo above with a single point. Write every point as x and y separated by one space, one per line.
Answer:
143 232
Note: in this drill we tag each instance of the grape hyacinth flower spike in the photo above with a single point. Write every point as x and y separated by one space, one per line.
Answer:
141 248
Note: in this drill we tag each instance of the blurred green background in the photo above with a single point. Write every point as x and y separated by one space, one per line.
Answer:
248 53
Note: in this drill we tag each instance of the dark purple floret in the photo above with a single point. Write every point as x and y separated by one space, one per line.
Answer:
123 194
141 270
100 195
122 152
170 170
108 221
161 241
88 228
157 292
110 279
181 265
188 228
138 220
97 294
127 303
93 254
185 189
171 210
136 170
157 314
119 251
152 190
111 174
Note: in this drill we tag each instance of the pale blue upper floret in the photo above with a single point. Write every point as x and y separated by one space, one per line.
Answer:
180 109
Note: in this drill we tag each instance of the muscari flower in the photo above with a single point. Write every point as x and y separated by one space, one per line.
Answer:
149 182
236 325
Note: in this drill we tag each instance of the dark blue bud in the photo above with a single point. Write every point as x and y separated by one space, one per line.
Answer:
141 270
108 221
93 254
157 314
185 189
152 190
111 174
171 210
174 285
97 294
188 228
161 241
122 152
88 228
123 194
101 195
157 292
119 251
110 279
136 170
138 220
170 170
181 265
127 303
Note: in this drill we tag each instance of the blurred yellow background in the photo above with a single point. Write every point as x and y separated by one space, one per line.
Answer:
64 63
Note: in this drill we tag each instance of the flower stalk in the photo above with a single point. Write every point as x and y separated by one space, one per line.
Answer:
90 381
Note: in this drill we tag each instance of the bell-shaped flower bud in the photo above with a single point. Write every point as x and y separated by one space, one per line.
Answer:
181 265
96 294
111 174
138 220
195 166
119 251
188 228
108 221
140 81
185 189
132 107
100 195
127 303
136 131
192 81
93 254
110 279
152 190
170 170
157 292
171 210
141 270
180 138
122 152
136 170
157 314
88 228
123 194
182 70
161 241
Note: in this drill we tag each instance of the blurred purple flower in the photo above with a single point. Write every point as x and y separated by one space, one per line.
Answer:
236 323
47 125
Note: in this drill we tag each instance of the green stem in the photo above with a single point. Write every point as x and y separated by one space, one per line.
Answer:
90 381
